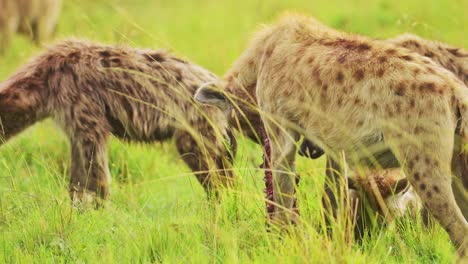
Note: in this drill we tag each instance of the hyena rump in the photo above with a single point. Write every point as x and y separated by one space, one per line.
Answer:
451 58
381 105
93 91
35 18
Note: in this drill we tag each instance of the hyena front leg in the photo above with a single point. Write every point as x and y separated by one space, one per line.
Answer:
282 143
9 21
90 176
5 38
208 157
41 30
427 166
334 200
333 184
88 132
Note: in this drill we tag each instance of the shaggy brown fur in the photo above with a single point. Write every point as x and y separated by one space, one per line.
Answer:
35 18
383 106
93 91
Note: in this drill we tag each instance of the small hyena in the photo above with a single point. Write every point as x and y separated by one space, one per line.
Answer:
35 18
93 91
382 105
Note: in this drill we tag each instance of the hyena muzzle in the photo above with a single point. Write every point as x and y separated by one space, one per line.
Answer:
93 90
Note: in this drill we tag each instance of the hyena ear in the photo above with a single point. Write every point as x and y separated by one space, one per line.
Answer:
212 95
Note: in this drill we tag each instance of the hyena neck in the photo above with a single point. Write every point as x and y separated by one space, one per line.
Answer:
240 85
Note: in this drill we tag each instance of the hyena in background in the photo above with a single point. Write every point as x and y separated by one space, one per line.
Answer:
382 105
93 91
35 18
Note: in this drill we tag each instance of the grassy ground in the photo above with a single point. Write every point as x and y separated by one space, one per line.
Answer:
158 212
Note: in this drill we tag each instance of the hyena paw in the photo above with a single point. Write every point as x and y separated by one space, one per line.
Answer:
85 199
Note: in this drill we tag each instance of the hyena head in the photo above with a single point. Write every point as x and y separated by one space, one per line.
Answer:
391 186
20 105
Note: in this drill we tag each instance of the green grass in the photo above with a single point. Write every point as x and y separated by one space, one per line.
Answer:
158 212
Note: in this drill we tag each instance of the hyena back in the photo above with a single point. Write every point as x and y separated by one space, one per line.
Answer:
35 18
93 91
381 105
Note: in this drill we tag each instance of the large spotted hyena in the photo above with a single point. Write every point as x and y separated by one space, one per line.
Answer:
35 18
94 90
383 106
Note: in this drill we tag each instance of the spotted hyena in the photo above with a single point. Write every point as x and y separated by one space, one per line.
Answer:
93 91
35 18
383 106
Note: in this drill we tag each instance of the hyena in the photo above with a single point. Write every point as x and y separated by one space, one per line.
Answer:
94 90
35 18
383 106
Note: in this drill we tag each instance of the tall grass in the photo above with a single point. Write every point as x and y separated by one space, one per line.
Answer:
158 212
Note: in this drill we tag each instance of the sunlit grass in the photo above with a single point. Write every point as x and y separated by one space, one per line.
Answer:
158 211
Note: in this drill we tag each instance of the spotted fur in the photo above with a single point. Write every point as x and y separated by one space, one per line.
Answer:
93 91
358 96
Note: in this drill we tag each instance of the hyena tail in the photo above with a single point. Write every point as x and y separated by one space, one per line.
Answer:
21 104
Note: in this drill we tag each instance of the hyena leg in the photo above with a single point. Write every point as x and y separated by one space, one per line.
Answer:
41 30
460 181
88 132
7 29
429 173
333 184
335 195
283 155
5 38
90 176
208 158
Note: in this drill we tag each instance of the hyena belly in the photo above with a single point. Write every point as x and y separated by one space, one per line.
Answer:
93 91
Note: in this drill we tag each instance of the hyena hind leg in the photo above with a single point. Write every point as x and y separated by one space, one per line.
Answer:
207 158
429 174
